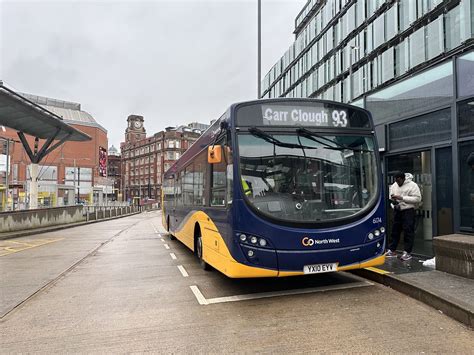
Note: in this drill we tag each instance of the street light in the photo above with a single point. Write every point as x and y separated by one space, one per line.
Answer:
78 176
351 48
259 46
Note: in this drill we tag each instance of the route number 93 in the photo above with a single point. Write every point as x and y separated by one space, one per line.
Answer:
339 118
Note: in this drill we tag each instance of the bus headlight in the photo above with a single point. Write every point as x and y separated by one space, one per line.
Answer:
250 253
382 229
377 233
370 236
254 240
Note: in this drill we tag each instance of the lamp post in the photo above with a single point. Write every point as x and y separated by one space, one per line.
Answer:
7 171
77 170
351 48
259 46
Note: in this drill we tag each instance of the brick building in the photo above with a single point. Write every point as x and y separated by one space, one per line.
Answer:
73 167
114 172
145 159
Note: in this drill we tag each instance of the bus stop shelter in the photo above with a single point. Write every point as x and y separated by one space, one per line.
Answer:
48 129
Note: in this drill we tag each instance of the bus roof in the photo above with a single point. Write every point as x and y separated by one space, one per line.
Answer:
208 137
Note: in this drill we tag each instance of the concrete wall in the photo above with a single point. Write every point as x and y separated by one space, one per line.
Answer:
48 217
40 218
455 254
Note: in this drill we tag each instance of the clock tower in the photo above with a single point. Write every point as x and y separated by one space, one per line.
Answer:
135 130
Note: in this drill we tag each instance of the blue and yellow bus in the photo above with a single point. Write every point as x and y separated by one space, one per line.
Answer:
280 187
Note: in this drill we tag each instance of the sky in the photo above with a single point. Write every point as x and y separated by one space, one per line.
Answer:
171 61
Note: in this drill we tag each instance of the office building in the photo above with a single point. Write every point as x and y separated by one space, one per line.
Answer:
411 64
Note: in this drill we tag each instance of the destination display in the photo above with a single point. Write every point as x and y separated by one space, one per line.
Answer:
306 114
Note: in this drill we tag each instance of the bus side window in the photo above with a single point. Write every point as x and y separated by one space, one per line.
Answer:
199 182
218 182
230 173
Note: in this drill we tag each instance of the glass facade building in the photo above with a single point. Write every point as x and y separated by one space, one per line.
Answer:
411 63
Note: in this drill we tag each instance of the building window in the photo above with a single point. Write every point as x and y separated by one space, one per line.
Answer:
453 28
465 75
417 47
379 31
466 118
429 89
435 38
430 128
388 64
391 22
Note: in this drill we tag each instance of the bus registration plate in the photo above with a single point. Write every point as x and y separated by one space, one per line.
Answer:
319 268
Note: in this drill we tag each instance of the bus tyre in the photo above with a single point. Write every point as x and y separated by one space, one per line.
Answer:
204 265
168 228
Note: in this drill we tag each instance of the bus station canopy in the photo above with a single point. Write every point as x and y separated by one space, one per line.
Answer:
27 117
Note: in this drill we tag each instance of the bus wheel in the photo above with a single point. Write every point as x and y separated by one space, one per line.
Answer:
198 239
168 228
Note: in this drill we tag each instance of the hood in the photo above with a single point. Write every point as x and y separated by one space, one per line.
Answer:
408 178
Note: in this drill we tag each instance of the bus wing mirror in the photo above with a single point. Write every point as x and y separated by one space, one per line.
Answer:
214 154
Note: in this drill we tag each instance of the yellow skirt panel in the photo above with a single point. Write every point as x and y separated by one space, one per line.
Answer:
216 253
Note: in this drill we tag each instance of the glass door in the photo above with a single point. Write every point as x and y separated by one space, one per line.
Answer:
444 191
419 165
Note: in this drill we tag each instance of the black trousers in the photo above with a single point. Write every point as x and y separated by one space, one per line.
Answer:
403 221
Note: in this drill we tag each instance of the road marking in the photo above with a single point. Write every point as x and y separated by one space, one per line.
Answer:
252 296
197 293
154 228
173 256
183 271
10 246
166 246
162 240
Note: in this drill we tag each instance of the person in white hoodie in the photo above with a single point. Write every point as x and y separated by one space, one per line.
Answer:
405 195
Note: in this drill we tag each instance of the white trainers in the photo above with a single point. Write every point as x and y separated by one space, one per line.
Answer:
405 256
390 254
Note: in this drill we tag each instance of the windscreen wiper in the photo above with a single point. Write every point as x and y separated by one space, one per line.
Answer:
270 139
311 135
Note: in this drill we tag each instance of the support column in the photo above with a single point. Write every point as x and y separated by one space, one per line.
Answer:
33 193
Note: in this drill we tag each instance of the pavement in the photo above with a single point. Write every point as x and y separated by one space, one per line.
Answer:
449 294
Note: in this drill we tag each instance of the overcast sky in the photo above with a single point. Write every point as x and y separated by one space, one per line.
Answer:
173 62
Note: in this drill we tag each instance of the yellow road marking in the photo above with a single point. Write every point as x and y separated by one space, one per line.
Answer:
378 271
9 246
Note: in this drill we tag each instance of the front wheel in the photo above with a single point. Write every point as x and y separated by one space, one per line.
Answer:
168 228
202 263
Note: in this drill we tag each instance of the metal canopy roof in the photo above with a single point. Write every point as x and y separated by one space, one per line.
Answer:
23 115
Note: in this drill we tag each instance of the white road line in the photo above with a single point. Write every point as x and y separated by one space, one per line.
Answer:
162 240
154 228
166 246
201 299
183 271
252 296
173 256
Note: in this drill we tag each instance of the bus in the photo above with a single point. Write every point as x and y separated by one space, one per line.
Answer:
280 187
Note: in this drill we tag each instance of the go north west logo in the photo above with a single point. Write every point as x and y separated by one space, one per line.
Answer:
309 242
